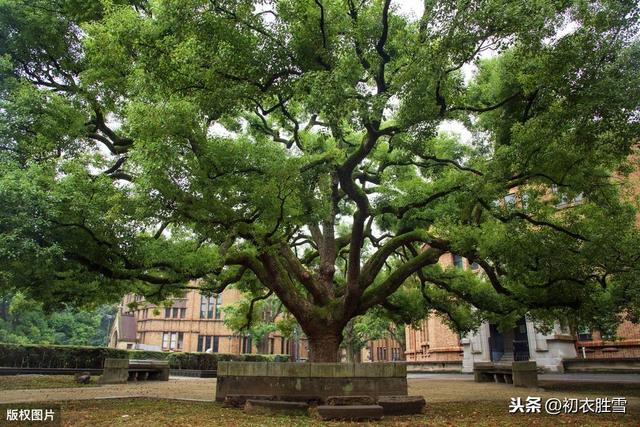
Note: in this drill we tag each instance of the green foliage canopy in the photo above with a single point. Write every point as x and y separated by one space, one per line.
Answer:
298 145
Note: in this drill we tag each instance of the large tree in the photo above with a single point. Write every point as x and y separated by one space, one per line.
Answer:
301 146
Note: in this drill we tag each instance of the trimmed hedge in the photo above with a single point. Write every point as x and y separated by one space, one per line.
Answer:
203 361
59 356
56 356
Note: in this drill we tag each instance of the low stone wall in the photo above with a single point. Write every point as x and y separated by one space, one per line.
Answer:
310 379
604 365
423 367
193 373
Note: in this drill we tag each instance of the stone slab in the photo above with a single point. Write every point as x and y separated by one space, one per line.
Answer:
350 400
238 400
350 412
402 405
253 406
116 371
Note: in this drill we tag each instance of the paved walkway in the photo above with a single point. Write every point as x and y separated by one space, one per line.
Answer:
588 378
176 387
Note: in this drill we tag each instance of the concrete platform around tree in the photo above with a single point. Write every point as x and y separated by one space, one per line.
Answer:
316 379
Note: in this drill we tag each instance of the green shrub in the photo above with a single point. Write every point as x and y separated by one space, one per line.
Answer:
56 356
59 356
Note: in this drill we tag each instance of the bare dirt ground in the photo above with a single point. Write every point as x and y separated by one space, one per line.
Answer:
434 390
187 388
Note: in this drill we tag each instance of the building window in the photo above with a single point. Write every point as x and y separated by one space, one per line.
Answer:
175 313
246 345
475 265
218 306
457 261
585 335
210 306
208 342
272 345
172 340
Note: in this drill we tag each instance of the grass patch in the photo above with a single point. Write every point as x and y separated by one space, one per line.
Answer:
158 412
30 382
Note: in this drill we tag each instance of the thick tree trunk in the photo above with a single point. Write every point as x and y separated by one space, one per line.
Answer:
325 347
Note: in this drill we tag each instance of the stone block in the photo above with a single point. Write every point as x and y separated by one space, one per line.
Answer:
116 371
525 379
350 400
350 412
161 374
525 374
257 407
402 405
331 370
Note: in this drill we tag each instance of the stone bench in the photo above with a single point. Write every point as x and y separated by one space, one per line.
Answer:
520 374
350 412
261 407
157 370
119 371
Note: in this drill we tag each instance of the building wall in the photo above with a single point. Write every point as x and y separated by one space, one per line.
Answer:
433 340
626 343
382 350
152 324
546 349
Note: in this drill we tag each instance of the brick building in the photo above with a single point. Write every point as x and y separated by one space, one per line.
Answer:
433 341
194 323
